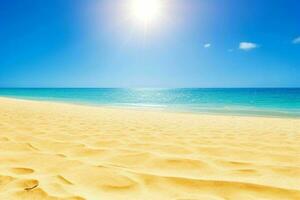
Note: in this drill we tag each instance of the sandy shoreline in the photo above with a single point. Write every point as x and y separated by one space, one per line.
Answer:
61 151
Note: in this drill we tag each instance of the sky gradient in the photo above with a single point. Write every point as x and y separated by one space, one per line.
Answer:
201 43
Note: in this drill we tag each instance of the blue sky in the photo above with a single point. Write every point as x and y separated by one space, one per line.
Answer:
201 43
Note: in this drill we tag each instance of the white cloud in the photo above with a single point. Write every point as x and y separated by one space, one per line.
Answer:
296 40
207 45
247 46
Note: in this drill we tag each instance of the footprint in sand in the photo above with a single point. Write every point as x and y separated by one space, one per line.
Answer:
29 184
22 170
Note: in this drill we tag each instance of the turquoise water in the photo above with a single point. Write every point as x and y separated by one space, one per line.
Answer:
271 102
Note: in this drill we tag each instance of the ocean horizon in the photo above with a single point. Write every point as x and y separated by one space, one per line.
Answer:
278 102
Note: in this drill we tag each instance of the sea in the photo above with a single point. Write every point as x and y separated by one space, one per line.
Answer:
277 102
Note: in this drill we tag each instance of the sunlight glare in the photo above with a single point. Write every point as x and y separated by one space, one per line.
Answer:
146 11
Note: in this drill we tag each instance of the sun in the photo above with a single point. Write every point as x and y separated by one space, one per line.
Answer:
146 11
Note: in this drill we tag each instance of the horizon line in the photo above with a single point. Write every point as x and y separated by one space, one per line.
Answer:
297 87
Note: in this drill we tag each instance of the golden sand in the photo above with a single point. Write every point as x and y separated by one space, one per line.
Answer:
60 151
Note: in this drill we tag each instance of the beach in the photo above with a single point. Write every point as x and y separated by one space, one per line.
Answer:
59 151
